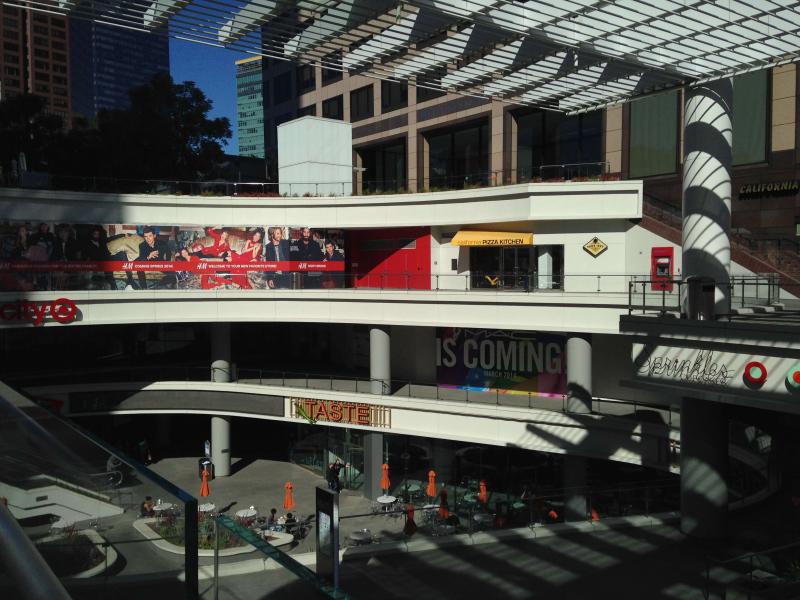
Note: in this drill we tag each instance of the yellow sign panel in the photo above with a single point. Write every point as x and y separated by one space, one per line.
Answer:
595 247
492 238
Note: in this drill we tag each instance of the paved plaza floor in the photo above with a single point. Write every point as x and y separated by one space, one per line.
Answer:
589 561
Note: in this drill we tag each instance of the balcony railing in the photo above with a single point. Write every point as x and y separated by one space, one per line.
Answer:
670 296
596 171
95 277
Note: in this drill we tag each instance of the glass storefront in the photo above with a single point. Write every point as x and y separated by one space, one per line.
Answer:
517 267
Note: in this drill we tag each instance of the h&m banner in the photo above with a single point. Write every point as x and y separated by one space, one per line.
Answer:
508 361
49 256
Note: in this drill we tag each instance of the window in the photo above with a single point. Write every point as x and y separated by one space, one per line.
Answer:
333 108
385 167
59 57
42 88
58 34
9 22
11 71
40 41
306 78
361 103
459 156
58 46
41 29
334 74
394 95
283 87
653 148
39 53
424 94
308 111
40 64
58 23
550 139
750 98
11 46
42 77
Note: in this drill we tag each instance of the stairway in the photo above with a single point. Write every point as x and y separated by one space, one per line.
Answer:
759 256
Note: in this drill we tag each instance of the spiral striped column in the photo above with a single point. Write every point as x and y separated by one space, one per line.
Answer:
707 158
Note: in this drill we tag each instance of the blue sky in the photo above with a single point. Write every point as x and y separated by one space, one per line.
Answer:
213 70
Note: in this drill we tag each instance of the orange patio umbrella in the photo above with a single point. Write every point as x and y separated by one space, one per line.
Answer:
205 491
431 489
385 483
288 497
483 495
444 511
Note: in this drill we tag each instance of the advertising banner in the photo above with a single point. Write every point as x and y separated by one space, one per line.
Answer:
50 257
508 361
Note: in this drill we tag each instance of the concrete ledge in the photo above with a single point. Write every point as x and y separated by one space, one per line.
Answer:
141 526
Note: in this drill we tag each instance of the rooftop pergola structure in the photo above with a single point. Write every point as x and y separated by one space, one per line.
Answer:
565 55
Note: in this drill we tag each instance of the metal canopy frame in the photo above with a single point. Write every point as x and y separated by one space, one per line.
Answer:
566 55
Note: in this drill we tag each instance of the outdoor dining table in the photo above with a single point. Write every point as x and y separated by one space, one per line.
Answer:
247 515
361 536
162 507
386 499
206 508
483 518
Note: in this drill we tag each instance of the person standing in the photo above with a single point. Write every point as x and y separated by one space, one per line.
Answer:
306 249
333 475
277 250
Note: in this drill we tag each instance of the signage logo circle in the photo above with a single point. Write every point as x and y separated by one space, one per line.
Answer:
793 378
63 310
755 373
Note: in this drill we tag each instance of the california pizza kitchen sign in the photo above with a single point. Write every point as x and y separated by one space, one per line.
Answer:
681 365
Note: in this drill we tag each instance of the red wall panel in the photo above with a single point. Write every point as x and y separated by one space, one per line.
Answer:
391 258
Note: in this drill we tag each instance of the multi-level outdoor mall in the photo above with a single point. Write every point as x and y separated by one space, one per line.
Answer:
522 287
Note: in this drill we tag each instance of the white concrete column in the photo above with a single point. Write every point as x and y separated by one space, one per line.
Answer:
221 446
574 477
708 140
544 267
221 373
579 373
373 461
704 468
380 360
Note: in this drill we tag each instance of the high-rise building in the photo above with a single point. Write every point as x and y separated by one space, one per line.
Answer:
35 58
109 61
250 106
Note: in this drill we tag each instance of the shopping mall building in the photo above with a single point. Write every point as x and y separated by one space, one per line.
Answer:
498 291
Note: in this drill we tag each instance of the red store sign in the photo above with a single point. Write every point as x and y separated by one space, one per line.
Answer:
61 310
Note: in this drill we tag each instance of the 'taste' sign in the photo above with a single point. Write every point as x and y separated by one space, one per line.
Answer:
62 310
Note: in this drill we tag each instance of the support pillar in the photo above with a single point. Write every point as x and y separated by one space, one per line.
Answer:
221 373
579 373
373 461
708 139
163 431
380 363
579 400
544 267
442 458
704 468
574 477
